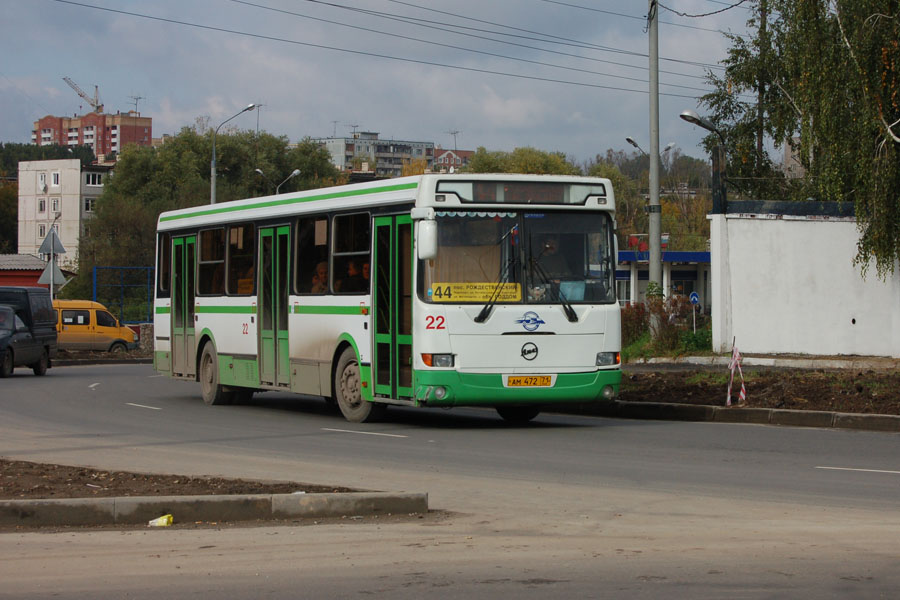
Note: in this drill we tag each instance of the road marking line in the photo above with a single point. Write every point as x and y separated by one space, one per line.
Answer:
860 470
364 432
93 385
143 406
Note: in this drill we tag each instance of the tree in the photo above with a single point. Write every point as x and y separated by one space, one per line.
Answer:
11 154
826 76
9 227
148 181
522 160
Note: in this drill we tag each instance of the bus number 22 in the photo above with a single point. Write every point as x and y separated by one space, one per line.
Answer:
434 322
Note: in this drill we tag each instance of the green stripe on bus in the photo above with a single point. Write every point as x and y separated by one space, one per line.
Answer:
331 310
225 208
163 310
226 309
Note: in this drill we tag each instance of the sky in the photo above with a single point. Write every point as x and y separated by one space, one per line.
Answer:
566 76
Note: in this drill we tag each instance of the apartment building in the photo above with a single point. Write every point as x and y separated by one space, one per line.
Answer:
105 134
61 194
364 151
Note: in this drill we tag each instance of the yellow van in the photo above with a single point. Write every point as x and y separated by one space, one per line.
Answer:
86 325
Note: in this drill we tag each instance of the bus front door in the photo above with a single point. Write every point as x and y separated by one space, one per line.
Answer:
274 284
184 361
392 307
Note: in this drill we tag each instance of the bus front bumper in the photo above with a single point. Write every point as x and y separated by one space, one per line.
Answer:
451 388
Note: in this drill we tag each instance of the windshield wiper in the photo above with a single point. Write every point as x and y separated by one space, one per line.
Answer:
498 289
567 306
501 279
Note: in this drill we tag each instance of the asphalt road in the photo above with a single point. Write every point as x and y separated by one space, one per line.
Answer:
568 506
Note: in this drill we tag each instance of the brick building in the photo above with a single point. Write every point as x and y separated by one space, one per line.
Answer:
105 134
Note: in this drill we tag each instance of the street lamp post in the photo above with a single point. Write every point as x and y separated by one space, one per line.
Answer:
294 173
264 176
212 164
719 196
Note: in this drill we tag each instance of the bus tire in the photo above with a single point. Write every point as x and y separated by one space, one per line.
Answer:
518 414
348 391
117 348
213 392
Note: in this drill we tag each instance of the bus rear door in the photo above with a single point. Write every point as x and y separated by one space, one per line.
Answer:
183 351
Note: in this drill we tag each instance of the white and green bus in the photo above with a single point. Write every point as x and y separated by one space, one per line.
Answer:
433 290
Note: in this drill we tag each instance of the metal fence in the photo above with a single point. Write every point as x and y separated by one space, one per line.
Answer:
126 291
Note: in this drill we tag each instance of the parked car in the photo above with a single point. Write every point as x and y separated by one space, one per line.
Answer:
28 336
87 325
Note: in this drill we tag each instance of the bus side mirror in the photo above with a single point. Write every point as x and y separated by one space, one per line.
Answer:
426 239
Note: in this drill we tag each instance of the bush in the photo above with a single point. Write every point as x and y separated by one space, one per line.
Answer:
634 322
701 341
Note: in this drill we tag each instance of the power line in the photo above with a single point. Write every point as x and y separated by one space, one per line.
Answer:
582 45
709 14
643 18
360 52
463 48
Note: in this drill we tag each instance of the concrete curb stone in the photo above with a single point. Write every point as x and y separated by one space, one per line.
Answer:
190 509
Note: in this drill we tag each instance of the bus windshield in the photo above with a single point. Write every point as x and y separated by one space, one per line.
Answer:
521 257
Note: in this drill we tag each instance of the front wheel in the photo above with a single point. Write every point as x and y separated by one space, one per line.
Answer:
518 414
117 348
40 367
213 393
348 391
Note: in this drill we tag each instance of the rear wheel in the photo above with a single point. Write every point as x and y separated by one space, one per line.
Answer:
213 392
348 391
40 367
518 414
6 364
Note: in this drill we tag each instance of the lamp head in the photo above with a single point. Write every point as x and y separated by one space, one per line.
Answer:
249 107
295 172
260 172
631 141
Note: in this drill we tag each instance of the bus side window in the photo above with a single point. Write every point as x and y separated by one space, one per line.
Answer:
164 267
212 262
352 239
240 259
312 250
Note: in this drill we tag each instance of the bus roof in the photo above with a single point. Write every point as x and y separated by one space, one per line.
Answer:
359 195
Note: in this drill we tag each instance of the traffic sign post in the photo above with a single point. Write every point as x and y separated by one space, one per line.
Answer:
695 302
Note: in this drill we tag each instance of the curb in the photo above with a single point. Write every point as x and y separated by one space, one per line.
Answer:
761 416
139 510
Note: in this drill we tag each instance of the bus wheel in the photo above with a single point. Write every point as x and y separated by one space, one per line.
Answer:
518 414
213 394
348 391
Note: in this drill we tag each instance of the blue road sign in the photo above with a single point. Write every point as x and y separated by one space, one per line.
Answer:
695 298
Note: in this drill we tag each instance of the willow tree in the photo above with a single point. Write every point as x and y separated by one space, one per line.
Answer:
821 75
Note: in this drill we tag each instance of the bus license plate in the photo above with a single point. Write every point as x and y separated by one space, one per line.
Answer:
529 381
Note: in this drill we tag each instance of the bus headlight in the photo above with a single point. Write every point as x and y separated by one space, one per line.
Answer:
607 359
438 360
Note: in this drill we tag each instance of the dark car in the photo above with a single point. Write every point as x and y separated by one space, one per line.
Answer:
18 346
28 333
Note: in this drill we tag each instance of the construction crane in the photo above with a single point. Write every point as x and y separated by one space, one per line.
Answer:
94 102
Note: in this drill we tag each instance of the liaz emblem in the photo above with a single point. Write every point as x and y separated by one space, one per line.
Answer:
530 321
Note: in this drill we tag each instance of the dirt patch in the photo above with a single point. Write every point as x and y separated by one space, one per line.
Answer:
851 391
20 480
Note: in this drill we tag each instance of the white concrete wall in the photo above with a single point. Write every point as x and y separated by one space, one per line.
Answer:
788 285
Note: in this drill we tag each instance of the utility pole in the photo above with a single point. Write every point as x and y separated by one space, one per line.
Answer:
654 208
454 133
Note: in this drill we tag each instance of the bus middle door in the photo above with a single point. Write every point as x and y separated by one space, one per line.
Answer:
184 360
274 285
392 306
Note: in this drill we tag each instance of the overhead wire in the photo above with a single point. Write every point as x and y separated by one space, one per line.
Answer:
576 44
462 48
360 52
